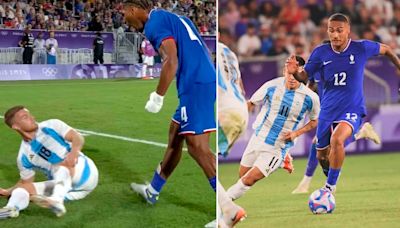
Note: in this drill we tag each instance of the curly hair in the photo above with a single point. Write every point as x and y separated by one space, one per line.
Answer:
143 4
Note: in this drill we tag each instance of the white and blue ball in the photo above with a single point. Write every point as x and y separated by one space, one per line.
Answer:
321 202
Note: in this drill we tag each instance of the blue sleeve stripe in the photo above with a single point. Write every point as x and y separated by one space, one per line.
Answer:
221 82
85 175
307 105
52 133
25 162
268 95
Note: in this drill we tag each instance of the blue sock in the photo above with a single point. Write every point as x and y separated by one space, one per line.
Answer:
333 176
158 182
213 183
312 161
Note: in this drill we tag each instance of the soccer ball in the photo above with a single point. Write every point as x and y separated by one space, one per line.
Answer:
321 202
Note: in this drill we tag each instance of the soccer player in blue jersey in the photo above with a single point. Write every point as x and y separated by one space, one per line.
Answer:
341 64
285 102
366 131
186 57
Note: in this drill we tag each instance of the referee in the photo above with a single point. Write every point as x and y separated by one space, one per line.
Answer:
27 44
98 47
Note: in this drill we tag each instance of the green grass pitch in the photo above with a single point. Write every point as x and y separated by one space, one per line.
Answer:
368 195
113 107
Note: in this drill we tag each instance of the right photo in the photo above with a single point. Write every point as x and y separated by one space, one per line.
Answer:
308 113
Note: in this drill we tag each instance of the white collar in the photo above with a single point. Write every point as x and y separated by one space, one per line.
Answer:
338 52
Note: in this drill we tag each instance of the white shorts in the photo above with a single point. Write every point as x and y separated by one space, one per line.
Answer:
265 157
149 60
84 181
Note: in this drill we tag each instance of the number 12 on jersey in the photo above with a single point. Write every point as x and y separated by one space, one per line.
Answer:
340 79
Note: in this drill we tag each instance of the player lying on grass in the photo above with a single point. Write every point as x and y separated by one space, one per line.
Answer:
53 148
285 102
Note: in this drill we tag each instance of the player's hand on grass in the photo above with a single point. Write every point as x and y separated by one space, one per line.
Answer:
4 193
155 103
289 136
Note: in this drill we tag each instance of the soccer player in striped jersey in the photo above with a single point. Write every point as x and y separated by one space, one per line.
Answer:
341 64
232 121
53 148
285 102
186 58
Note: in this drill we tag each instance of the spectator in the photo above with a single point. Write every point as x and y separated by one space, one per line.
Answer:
27 44
96 25
279 47
98 49
51 46
249 43
266 39
40 50
148 57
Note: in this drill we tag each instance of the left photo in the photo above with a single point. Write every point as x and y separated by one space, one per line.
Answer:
108 116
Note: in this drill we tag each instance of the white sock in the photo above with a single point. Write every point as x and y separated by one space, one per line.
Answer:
237 190
224 201
63 183
19 199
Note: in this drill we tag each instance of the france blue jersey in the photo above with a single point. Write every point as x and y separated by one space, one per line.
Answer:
194 63
342 75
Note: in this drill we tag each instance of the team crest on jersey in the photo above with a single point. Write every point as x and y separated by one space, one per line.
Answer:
352 59
31 157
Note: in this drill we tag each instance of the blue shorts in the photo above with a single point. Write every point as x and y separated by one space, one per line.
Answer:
325 129
195 113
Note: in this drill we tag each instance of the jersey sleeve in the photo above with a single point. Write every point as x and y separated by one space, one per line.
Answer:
313 64
371 48
25 167
260 95
59 126
158 29
314 111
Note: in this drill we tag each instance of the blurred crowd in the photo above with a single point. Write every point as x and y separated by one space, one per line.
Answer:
94 15
271 28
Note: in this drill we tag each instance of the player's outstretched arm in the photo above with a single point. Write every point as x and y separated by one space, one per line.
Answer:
387 51
7 192
298 73
290 136
77 142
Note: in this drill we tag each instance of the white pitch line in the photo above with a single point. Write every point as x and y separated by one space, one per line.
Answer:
123 138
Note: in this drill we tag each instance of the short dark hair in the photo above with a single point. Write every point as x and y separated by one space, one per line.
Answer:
300 60
339 17
143 4
10 113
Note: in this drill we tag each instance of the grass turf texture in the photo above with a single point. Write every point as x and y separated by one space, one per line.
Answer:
368 195
112 107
